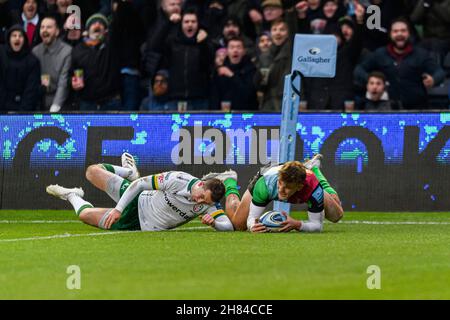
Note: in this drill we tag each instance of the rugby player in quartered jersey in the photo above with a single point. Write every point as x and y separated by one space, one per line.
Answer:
266 189
291 182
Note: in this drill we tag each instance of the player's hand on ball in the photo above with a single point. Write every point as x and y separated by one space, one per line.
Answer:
112 218
208 220
290 224
258 227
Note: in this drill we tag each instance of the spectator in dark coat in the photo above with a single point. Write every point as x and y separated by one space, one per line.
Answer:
409 70
249 15
280 57
376 38
316 17
377 98
435 18
212 14
20 74
189 58
5 19
333 10
96 58
332 93
231 29
167 24
30 20
129 32
233 86
158 98
272 12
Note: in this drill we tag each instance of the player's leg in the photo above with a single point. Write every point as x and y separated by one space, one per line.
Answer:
333 208
83 209
332 203
95 216
110 178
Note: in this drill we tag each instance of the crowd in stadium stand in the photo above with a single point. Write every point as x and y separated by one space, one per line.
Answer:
175 55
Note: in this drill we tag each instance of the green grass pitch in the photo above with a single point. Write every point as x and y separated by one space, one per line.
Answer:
193 262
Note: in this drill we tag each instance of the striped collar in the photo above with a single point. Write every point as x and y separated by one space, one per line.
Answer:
191 184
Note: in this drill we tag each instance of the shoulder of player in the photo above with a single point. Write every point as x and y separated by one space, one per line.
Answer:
272 170
178 175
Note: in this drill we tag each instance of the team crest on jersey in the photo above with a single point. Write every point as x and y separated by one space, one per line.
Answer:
197 208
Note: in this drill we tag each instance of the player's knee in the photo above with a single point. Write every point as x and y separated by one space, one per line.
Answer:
84 215
91 170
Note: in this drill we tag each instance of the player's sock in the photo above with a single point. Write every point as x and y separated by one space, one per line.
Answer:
78 203
120 171
323 181
231 187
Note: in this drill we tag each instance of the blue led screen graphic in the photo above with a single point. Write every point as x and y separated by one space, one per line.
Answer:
375 161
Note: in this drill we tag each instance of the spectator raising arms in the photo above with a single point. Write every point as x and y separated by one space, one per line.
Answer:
233 87
19 74
95 65
166 25
188 56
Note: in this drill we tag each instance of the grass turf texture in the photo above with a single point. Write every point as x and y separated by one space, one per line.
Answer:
193 263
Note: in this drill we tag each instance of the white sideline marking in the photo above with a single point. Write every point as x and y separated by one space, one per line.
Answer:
55 221
190 228
95 234
199 222
67 235
395 222
38 221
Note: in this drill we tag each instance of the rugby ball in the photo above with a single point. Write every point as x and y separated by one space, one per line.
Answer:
272 220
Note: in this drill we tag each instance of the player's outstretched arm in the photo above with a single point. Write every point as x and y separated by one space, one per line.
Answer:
220 223
253 216
139 185
314 223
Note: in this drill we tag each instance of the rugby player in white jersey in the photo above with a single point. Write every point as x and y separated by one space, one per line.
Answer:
154 203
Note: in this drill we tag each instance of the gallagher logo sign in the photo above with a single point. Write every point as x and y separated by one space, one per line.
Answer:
315 55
